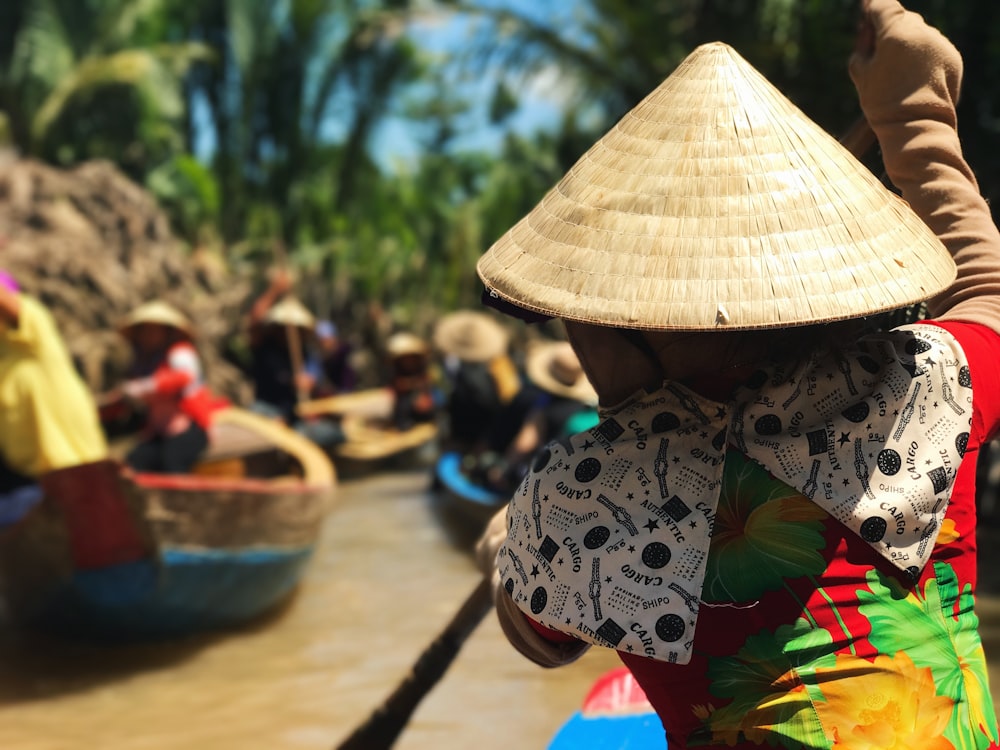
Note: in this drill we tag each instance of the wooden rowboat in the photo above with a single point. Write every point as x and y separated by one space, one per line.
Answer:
111 553
371 401
615 716
371 441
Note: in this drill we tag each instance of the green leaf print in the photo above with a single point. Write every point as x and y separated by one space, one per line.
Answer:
770 700
939 631
764 532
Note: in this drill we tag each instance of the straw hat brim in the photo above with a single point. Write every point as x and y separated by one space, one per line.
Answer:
290 312
471 336
156 312
538 364
403 344
716 204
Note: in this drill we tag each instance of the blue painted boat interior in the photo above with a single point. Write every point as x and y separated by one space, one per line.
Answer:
449 470
633 732
184 591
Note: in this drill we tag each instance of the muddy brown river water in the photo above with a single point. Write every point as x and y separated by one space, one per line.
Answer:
391 571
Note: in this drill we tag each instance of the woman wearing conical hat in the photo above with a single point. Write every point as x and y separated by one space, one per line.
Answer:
285 365
774 522
167 380
411 380
481 377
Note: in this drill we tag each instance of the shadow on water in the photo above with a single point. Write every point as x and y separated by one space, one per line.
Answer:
37 666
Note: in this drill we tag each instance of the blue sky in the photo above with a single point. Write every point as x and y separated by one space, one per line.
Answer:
444 36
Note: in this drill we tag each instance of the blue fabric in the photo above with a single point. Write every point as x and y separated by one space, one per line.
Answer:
14 505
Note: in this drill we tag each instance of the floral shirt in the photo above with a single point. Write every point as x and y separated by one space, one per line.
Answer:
808 638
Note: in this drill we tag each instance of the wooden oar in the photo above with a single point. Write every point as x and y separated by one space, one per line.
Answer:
292 334
386 723
375 402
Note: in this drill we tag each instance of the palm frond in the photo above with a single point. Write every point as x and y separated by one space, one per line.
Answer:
141 69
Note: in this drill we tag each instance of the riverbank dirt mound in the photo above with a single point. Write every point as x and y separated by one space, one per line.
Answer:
93 245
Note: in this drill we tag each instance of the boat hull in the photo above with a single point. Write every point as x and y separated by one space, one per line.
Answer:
108 552
615 716
183 592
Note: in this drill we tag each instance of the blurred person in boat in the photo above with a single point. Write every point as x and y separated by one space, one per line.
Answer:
563 402
774 523
285 366
481 379
336 374
165 382
411 380
48 417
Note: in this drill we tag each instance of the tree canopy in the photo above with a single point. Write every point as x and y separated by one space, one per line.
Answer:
259 123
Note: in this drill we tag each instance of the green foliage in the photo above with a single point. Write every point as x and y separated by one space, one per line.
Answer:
256 122
96 78
188 191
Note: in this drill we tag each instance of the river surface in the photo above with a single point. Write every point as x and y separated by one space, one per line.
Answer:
392 569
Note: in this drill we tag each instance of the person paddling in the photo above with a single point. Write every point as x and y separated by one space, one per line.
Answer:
774 522
167 382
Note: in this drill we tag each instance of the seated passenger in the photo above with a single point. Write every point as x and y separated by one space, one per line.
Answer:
166 379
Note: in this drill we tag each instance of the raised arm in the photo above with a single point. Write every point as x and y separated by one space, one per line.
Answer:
908 77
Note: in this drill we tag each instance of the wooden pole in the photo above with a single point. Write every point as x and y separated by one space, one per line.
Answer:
383 727
292 332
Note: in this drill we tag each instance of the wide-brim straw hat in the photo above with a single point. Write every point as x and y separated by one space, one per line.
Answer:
404 343
160 313
554 367
471 336
290 312
716 204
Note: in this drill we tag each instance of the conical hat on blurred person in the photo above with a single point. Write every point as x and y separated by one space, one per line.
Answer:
716 204
290 312
157 312
404 343
554 367
471 336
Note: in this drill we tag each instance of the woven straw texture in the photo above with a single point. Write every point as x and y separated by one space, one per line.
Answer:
716 204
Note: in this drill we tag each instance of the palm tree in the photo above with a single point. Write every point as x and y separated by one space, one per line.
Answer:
291 79
86 78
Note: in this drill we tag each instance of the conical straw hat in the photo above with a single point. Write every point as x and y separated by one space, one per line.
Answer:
471 336
156 312
554 367
405 343
716 204
290 312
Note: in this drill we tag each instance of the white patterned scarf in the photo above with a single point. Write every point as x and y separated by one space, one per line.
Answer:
610 530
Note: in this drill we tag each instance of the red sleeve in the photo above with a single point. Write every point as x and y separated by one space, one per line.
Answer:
982 350
171 381
549 634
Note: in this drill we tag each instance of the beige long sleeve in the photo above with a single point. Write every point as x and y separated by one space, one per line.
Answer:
908 90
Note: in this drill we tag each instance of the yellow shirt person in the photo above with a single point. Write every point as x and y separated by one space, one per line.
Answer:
48 419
